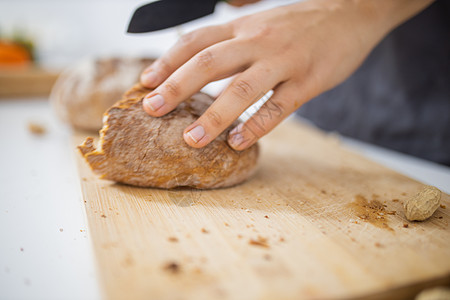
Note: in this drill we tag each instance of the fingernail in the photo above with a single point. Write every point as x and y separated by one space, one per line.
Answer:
236 129
149 79
235 138
155 102
196 134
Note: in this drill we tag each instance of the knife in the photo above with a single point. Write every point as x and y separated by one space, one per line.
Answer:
168 13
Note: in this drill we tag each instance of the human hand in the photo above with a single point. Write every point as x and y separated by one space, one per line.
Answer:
241 2
298 51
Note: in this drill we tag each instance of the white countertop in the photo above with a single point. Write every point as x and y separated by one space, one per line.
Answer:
45 250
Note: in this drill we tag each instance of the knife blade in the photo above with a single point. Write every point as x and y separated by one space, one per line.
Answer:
164 14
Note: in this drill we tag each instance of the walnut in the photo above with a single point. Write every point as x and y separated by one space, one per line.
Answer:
422 205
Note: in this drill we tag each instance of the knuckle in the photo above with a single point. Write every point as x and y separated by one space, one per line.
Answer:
242 89
214 118
164 66
172 88
278 107
205 60
255 131
187 38
263 31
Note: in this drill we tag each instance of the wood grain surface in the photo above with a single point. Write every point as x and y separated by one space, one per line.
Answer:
317 221
27 82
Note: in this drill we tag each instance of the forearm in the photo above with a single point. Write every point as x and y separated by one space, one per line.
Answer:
386 14
389 14
393 12
365 21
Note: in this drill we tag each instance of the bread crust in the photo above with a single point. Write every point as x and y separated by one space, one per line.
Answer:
141 150
84 92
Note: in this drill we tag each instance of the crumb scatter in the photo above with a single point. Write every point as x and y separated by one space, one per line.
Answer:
172 267
259 241
36 128
373 212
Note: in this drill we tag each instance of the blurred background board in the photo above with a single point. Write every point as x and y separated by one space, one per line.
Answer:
27 82
316 222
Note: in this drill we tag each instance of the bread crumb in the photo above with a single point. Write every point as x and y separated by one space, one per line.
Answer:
172 239
443 206
373 212
405 225
37 129
172 267
378 245
204 230
103 216
260 241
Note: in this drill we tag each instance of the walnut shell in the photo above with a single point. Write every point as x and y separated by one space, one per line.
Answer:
422 205
84 92
141 150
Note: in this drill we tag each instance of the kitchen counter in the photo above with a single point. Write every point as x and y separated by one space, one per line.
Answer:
46 250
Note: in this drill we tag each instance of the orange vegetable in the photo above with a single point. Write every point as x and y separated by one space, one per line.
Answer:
13 54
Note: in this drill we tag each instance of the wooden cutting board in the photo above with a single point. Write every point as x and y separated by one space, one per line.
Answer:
27 82
316 222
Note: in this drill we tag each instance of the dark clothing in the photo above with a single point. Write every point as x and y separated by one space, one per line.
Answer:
400 97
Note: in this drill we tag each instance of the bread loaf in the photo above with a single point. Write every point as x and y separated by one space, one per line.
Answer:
84 92
141 150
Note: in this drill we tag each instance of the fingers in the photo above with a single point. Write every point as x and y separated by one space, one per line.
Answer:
245 89
186 47
240 3
213 63
285 100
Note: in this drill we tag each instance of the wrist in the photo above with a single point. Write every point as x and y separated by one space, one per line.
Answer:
389 14
373 19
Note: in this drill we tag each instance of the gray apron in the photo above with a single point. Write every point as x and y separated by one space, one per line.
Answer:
400 97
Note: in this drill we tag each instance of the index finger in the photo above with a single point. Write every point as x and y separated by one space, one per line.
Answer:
186 47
